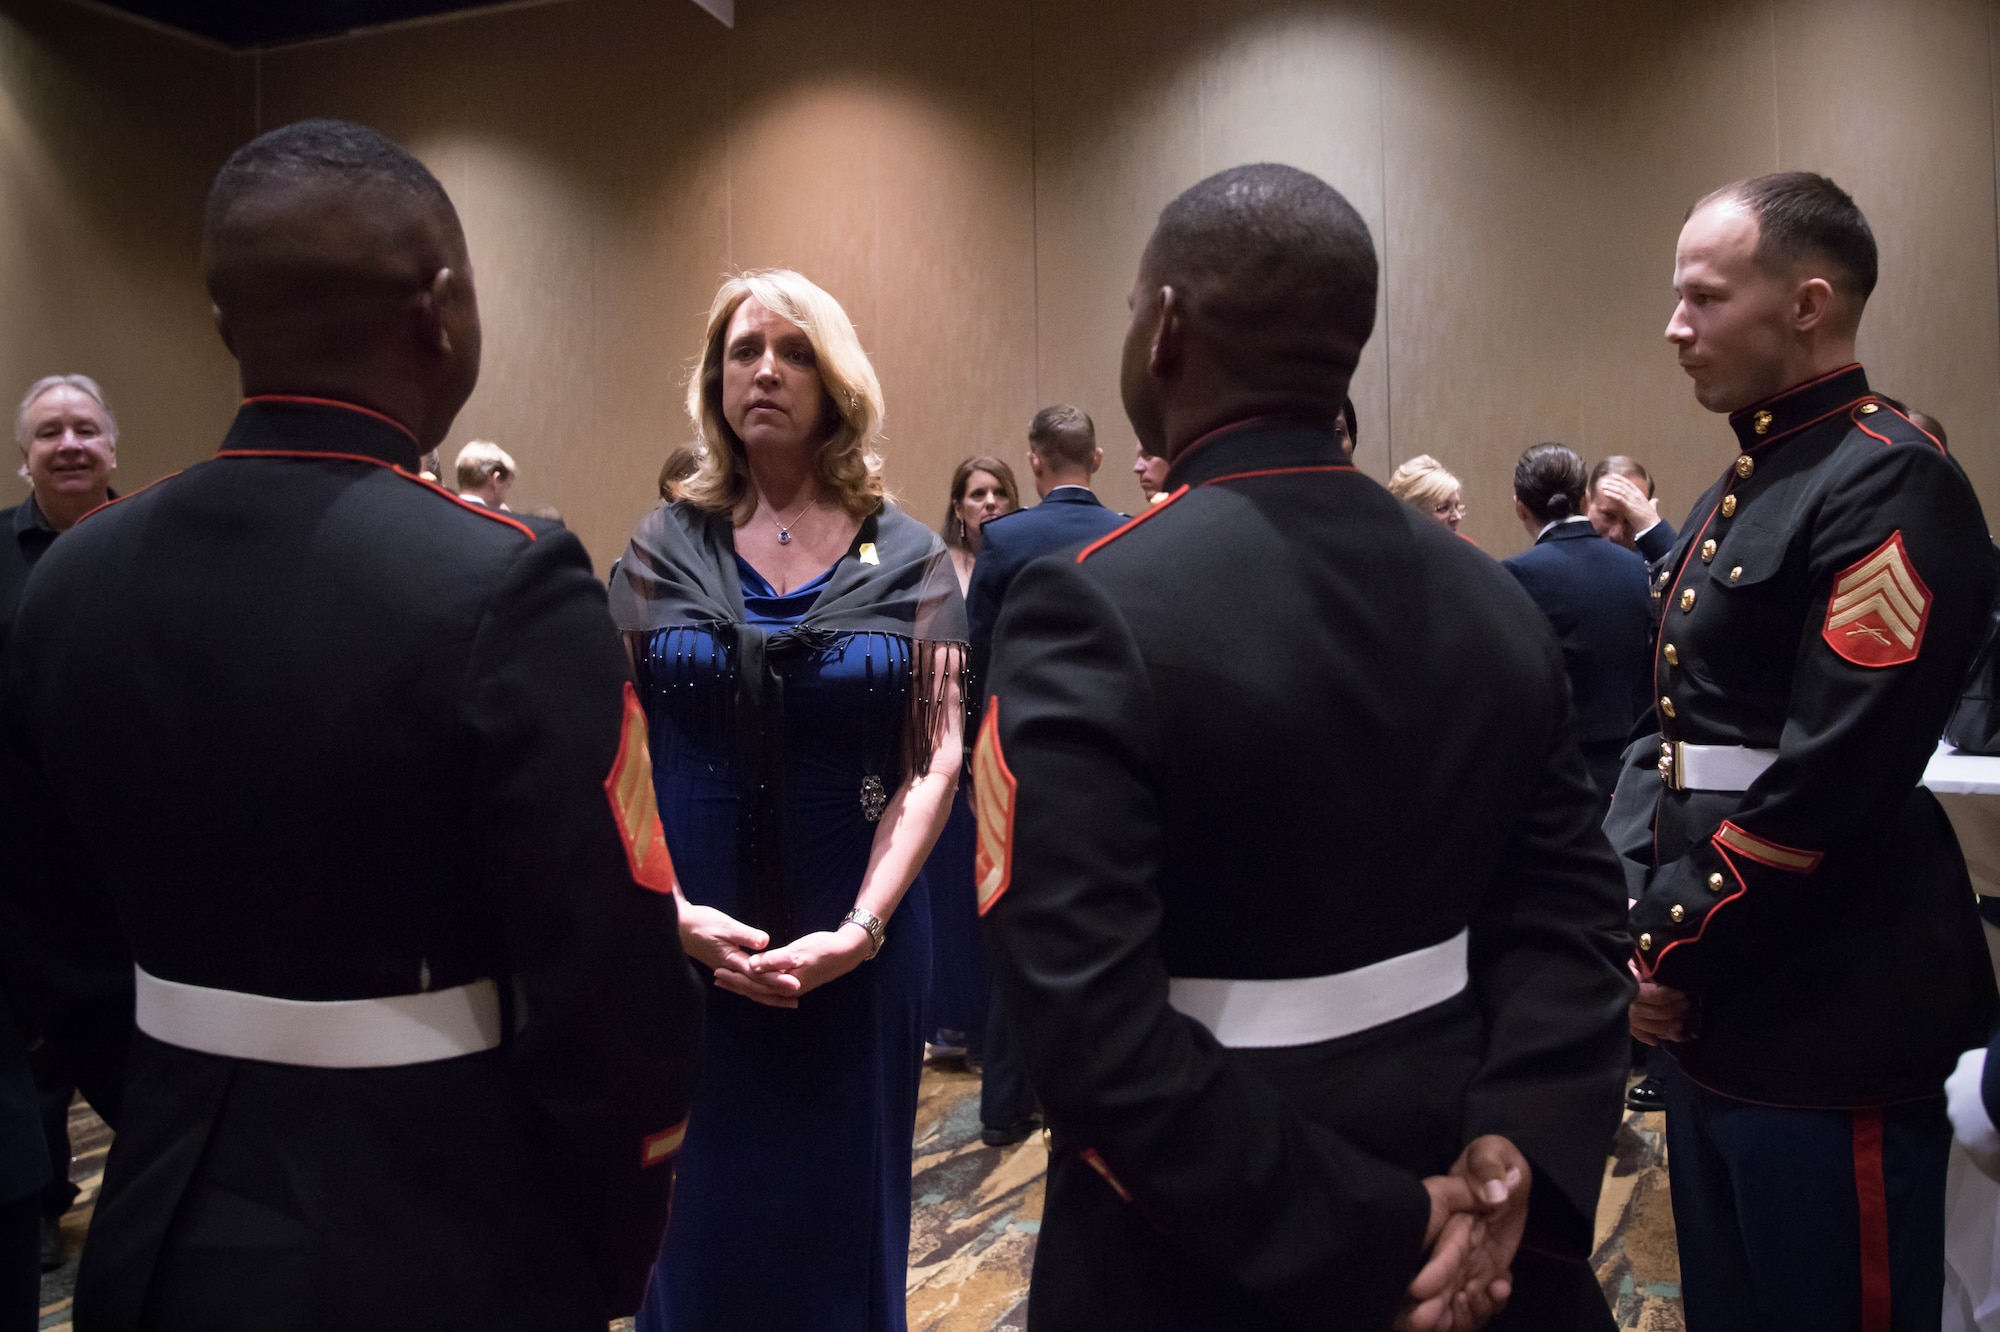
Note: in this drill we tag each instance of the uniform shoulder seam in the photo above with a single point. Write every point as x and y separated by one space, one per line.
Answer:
1123 528
120 499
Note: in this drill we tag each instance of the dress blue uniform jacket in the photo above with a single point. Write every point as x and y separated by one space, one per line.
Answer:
1067 516
1594 593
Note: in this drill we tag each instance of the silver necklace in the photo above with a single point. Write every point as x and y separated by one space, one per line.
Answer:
785 529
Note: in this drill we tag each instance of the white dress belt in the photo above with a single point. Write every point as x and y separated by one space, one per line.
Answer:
1259 1014
344 1033
1720 767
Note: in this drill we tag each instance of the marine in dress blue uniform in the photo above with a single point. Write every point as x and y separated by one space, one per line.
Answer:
1068 516
389 1072
1272 970
1795 882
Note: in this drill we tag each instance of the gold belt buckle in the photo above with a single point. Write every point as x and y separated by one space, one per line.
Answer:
1670 765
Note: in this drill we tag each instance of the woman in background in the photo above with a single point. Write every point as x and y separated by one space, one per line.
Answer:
1424 485
798 644
982 488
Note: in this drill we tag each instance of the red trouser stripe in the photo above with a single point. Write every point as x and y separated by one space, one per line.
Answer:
1873 1195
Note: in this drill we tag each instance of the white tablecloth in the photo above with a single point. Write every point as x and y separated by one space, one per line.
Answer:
1968 786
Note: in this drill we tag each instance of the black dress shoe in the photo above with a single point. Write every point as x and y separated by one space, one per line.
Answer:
1007 1135
53 1253
1646 1095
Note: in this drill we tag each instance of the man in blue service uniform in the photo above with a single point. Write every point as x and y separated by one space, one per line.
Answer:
1805 928
384 1076
1318 1033
1062 457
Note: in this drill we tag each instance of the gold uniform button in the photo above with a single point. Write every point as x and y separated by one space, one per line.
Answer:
1672 654
1666 705
1869 408
1645 941
1736 573
1687 599
1715 883
1745 464
1729 506
1708 550
1678 914
1759 423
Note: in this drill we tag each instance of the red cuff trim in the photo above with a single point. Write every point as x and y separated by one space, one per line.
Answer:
662 1146
1096 1162
1777 855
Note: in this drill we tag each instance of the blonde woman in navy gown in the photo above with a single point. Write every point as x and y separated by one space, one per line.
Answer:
799 644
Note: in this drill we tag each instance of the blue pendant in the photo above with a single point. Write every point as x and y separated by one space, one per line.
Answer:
784 537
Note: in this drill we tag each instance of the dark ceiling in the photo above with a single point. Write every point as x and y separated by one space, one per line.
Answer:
272 22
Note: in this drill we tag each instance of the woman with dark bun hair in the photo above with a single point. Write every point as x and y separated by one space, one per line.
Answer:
1594 593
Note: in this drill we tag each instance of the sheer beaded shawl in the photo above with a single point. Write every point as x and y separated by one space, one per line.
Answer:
896 580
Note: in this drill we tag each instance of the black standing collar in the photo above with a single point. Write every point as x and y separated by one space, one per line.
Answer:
1072 493
288 425
1261 444
1785 414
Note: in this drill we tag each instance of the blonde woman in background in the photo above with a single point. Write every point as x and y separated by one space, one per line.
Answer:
1424 485
798 646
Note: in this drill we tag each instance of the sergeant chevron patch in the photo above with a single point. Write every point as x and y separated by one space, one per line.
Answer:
993 803
629 787
1879 607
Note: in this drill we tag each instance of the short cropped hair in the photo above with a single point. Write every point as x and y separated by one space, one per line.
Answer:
1803 216
83 384
338 150
849 463
1549 480
1281 269
1621 465
1063 435
1423 484
482 460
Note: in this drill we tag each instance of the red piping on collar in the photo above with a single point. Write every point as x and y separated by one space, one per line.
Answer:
1280 471
334 402
1117 532
1202 439
1782 394
310 455
1807 425
120 499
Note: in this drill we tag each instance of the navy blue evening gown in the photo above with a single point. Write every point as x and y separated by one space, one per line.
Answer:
958 957
792 1191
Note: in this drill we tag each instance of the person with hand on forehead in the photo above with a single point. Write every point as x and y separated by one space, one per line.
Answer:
1805 929
1623 508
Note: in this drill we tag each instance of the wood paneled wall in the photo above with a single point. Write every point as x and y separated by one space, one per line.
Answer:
974 180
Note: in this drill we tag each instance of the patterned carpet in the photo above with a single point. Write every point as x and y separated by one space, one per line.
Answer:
978 1210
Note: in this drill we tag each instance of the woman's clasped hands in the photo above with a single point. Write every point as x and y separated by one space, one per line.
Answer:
744 962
